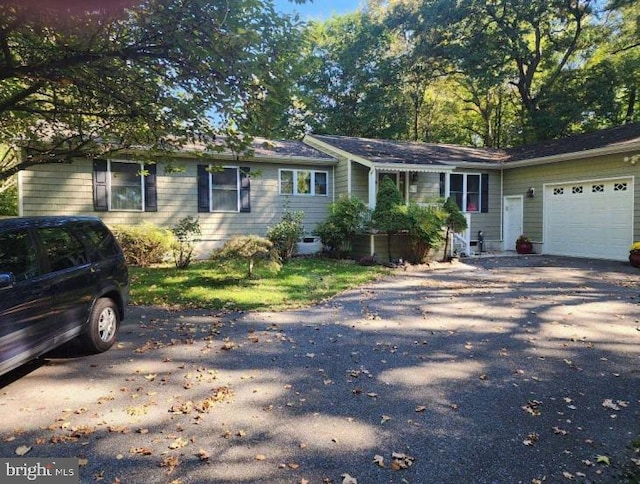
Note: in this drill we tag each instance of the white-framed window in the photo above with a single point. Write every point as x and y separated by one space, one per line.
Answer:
304 182
467 191
224 184
126 185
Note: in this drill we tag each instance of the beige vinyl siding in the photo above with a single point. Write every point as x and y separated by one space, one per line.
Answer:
60 189
68 190
518 180
342 176
360 181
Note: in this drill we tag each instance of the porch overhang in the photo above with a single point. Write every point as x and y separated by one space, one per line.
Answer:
406 167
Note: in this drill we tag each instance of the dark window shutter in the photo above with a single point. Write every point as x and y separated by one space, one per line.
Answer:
100 191
150 189
442 184
484 195
245 189
203 189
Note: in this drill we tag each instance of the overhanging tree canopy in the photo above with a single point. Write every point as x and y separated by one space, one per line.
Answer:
82 78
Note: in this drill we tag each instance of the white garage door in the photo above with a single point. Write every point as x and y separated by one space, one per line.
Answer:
589 219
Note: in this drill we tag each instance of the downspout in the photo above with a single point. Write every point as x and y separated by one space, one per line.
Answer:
372 206
333 182
502 206
372 188
20 194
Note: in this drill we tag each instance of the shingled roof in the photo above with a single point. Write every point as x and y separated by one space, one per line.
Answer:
406 152
264 148
618 136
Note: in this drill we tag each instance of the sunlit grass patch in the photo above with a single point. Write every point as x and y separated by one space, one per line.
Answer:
224 284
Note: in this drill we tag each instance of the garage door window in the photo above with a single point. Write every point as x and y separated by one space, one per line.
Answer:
620 187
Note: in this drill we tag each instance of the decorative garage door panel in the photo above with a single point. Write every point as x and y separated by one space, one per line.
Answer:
589 219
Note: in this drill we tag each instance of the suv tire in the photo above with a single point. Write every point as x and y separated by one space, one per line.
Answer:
103 327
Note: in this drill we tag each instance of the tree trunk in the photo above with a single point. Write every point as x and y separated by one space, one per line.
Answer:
631 104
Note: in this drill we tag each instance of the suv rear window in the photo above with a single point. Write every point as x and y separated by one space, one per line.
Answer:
63 249
17 255
100 242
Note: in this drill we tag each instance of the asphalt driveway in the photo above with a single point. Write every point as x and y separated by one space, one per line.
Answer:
497 370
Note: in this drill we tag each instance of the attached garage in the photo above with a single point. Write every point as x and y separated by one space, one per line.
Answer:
592 218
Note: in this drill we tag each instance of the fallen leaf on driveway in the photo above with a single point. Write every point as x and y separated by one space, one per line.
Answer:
22 450
603 459
178 443
385 418
347 479
531 439
421 408
203 455
141 451
559 431
378 459
609 403
228 345
532 407
170 462
400 461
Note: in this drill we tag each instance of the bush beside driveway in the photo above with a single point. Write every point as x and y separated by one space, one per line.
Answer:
495 370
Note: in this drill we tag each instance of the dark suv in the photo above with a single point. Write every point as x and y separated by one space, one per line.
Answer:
60 278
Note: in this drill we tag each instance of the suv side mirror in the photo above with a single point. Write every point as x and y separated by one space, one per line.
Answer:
7 279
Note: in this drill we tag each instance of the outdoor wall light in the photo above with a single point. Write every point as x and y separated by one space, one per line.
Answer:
531 192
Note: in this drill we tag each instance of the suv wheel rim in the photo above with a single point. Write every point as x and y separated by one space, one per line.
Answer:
107 324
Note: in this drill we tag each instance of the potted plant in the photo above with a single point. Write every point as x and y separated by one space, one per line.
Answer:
524 245
634 254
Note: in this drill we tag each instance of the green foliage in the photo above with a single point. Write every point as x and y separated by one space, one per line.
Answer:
186 232
350 79
9 200
347 217
425 229
389 215
454 220
150 74
144 244
285 234
249 248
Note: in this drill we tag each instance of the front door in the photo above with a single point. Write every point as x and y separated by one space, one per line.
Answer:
513 227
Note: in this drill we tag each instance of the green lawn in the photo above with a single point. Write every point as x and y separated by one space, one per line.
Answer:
300 282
